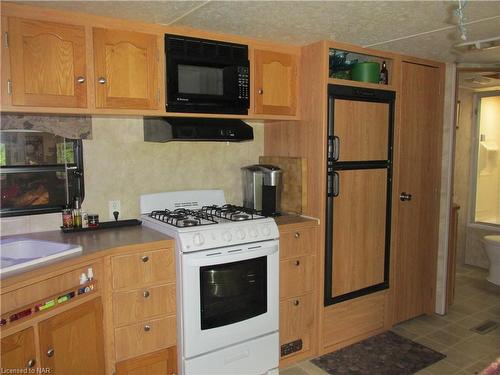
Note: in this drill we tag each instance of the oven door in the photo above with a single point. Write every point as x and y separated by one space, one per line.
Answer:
229 295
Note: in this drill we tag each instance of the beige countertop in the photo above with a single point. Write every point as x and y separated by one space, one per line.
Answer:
95 244
287 219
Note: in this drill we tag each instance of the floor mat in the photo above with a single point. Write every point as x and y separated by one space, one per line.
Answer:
384 354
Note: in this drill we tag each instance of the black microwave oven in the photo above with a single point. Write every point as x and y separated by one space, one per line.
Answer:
206 76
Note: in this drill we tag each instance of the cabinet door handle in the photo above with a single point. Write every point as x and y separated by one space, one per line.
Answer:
80 79
145 258
147 328
146 293
260 91
50 352
297 235
102 80
31 363
296 302
297 262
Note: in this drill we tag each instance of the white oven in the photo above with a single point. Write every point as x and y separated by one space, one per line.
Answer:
227 264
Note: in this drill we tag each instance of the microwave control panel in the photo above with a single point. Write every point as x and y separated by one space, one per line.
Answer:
243 82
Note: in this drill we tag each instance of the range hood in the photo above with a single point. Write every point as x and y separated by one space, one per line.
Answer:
166 129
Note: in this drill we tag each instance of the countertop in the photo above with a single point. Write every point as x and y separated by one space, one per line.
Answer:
289 219
95 244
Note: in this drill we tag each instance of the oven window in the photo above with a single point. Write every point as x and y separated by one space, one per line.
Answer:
232 292
200 80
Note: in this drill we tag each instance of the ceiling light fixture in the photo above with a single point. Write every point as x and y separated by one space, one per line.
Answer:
459 12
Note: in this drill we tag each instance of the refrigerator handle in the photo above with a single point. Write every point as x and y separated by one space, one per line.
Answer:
336 148
336 184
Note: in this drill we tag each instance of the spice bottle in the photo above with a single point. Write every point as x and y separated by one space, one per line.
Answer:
77 213
67 217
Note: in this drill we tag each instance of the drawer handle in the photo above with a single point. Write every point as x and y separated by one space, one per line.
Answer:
146 293
102 80
147 328
297 262
297 235
80 79
50 352
296 302
145 258
31 363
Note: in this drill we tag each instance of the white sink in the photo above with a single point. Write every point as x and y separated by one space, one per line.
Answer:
19 253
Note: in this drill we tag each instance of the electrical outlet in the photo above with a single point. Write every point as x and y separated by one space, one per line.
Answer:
113 206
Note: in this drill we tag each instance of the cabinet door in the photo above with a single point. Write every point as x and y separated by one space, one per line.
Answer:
296 320
275 83
162 362
416 244
18 350
72 342
126 69
47 62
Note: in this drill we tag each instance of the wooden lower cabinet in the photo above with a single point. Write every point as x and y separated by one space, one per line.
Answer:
298 292
18 350
161 362
72 342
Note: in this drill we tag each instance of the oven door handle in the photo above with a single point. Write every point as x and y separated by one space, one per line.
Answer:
224 255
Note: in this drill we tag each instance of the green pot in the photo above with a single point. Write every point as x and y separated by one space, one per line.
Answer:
366 72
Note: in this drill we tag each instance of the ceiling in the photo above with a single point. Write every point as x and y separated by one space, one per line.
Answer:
479 81
421 28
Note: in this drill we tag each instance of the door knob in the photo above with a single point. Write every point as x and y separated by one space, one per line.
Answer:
145 294
31 363
260 92
405 196
102 80
80 79
145 258
297 234
50 352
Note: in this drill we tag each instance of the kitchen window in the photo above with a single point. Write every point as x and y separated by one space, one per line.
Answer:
40 172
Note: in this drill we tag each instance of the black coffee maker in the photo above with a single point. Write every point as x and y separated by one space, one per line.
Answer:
262 188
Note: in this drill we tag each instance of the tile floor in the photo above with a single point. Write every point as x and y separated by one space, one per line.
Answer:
467 352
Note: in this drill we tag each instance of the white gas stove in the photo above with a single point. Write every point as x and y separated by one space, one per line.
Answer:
227 282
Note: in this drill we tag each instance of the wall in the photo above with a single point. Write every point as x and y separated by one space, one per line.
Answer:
462 177
119 165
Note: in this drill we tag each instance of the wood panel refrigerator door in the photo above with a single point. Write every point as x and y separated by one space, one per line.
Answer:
72 341
361 130
275 83
126 69
359 217
47 62
18 351
419 175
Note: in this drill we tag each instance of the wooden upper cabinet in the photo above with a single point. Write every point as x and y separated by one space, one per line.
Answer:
47 64
18 350
72 341
275 83
126 69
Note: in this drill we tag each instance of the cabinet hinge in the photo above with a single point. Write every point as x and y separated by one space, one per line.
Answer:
6 39
9 87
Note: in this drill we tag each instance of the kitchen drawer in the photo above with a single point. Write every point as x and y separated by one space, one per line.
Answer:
138 269
297 242
144 303
145 337
297 320
296 276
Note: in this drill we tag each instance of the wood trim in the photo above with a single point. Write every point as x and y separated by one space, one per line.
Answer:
368 85
361 50
452 255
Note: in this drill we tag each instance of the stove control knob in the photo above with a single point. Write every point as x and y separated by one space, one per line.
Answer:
241 234
227 236
253 233
266 231
198 239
